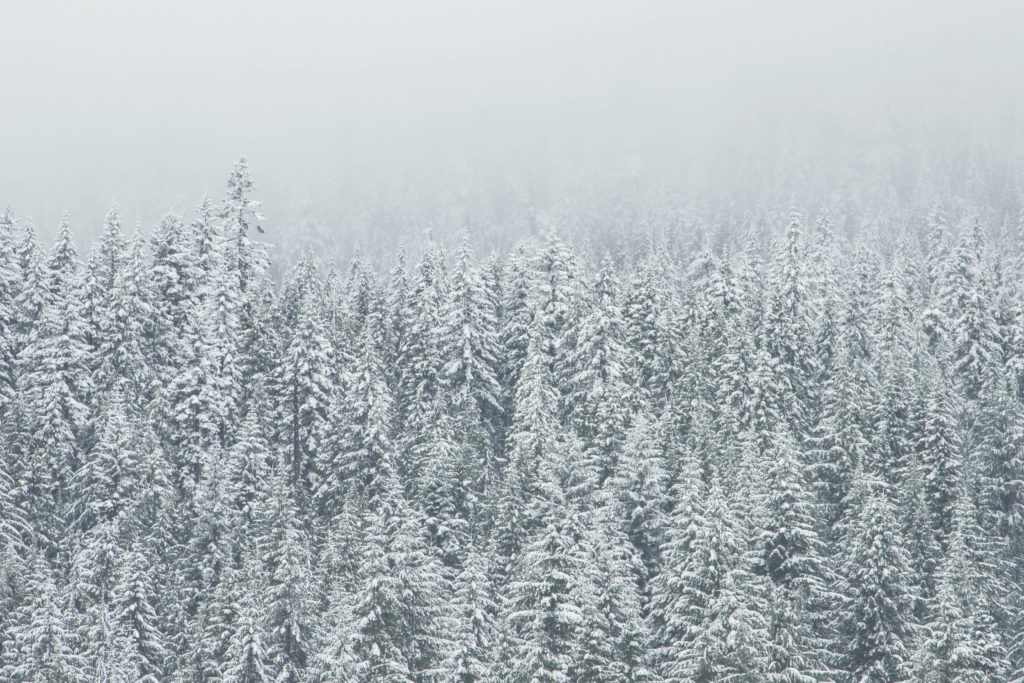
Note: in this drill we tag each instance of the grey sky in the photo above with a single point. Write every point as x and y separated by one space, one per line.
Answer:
150 103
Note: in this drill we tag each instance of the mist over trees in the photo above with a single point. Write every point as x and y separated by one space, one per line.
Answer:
781 446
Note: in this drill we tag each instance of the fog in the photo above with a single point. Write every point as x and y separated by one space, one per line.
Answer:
361 118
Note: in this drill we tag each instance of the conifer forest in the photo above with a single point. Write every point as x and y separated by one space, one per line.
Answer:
795 458
511 342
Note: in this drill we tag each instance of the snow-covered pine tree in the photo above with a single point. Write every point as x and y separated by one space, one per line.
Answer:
42 643
134 596
470 343
648 339
639 496
213 385
174 277
966 293
56 386
543 613
961 640
598 400
998 451
613 642
32 291
533 434
285 548
106 261
794 559
787 330
840 441
401 629
10 281
107 479
475 631
422 361
15 542
358 455
240 215
124 349
938 446
514 337
303 383
875 620
707 606
246 659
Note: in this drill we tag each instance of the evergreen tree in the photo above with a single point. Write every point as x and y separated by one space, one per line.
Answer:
41 644
542 611
447 487
174 278
10 278
303 383
876 613
707 613
240 214
997 448
133 609
613 642
938 446
15 541
639 488
359 456
57 387
533 434
961 640
33 291
124 349
210 390
794 559
475 632
648 339
246 659
840 441
470 347
401 627
247 473
974 336
422 362
787 325
287 559
599 385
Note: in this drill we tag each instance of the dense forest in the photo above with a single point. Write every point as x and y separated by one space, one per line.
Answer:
788 453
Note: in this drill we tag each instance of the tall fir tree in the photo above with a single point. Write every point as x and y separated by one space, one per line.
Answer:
876 625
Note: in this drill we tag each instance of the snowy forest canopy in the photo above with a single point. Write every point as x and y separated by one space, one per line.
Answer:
791 456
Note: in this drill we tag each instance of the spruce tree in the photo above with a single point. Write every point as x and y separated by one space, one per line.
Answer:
246 659
287 559
57 388
133 609
10 279
358 456
875 617
303 383
961 640
41 644
471 348
707 605
475 632
401 625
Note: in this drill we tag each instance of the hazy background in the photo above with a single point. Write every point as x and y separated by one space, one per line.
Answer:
360 119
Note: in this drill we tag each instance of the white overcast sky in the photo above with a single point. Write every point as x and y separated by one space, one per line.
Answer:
149 103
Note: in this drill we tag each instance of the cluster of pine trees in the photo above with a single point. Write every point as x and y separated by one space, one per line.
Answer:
796 460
